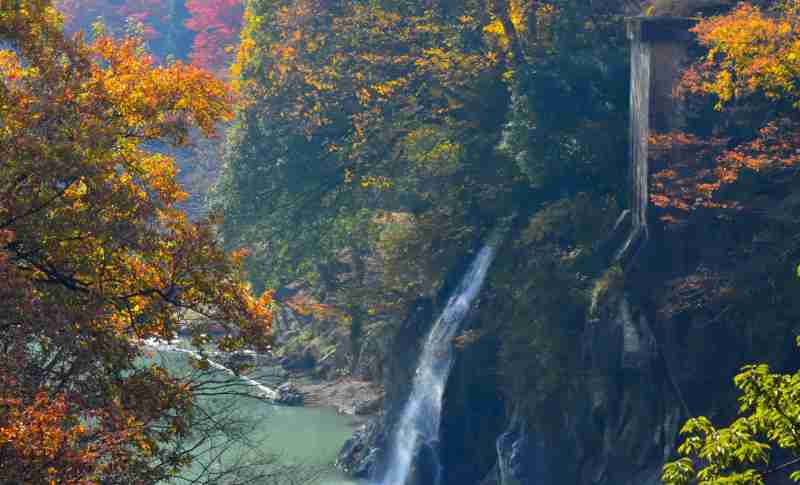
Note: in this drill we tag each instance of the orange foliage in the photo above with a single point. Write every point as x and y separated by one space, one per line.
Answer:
749 52
753 58
776 147
217 23
38 436
356 71
307 306
686 166
698 168
95 255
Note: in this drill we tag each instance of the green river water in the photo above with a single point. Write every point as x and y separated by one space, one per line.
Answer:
307 437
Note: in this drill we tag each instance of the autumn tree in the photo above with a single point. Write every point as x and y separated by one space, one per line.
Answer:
95 257
205 31
355 115
748 76
750 73
753 61
216 24
161 24
379 139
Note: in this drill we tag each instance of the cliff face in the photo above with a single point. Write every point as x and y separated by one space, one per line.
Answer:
658 346
664 346
474 410
583 367
617 418
705 293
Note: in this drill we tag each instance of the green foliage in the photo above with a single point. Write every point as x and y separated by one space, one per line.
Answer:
612 280
410 264
381 140
746 451
544 286
582 219
568 127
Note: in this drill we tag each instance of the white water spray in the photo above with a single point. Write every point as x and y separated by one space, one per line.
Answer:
639 139
640 130
263 391
419 423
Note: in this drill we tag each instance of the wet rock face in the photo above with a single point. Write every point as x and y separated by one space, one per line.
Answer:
649 354
622 423
359 454
474 412
617 428
621 338
364 453
401 363
513 449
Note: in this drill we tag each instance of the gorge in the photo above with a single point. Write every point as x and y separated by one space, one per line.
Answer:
511 242
620 422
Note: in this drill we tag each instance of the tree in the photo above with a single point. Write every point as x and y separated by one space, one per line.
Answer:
764 440
753 59
381 138
749 74
360 115
751 70
95 256
160 23
217 24
204 30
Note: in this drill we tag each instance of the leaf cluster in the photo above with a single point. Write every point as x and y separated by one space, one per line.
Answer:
764 439
96 257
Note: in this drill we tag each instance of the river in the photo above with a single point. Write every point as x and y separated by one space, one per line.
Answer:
304 437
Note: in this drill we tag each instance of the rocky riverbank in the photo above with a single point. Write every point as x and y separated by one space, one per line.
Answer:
346 395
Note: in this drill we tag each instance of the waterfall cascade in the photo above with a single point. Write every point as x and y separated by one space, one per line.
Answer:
639 130
658 56
418 426
638 142
511 446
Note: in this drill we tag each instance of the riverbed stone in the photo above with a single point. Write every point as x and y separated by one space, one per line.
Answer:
289 395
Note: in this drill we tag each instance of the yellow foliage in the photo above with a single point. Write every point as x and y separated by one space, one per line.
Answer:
369 64
750 52
94 253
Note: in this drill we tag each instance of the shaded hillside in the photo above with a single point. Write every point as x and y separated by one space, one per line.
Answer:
382 141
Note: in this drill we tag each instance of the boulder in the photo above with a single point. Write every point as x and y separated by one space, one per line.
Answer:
368 406
301 361
289 395
358 456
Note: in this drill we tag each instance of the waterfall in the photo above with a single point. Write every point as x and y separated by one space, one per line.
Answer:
419 422
639 130
639 139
